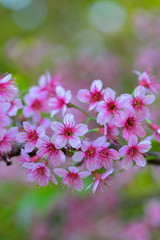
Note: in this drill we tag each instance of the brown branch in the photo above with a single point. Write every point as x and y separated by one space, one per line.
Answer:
16 150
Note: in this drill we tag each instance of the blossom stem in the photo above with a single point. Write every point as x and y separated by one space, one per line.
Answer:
93 130
80 109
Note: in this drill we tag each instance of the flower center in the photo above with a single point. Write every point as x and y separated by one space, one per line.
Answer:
33 136
96 97
130 122
36 105
91 151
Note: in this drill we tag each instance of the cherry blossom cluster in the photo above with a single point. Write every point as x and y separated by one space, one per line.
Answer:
51 146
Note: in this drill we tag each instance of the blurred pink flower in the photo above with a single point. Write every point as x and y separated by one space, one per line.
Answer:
93 96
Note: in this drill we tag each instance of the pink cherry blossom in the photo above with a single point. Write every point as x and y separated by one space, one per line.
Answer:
7 87
134 152
7 137
147 81
4 119
39 173
93 96
30 136
68 132
156 130
107 156
153 213
72 178
47 149
35 104
90 153
15 105
60 101
110 131
101 181
139 102
131 124
109 108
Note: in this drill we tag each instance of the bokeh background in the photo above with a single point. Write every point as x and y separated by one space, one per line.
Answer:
82 41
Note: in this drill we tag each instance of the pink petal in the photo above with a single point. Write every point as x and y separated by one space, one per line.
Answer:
53 179
29 146
68 96
40 131
109 94
84 174
61 141
144 146
60 91
69 120
29 165
57 127
132 141
80 129
149 99
95 186
22 137
73 169
106 174
85 145
84 95
27 127
139 92
103 117
75 141
60 172
126 163
99 141
96 86
78 156
92 106
139 160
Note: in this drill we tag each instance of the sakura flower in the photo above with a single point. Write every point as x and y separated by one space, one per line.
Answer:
39 173
101 181
146 81
60 101
131 123
7 137
134 152
93 96
140 101
156 130
68 132
109 108
35 104
47 149
90 153
110 131
107 156
7 87
24 157
72 178
15 105
4 119
30 136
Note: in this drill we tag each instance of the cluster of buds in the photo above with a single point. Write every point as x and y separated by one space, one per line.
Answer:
50 147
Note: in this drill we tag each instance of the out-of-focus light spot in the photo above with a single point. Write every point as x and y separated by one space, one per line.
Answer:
15 5
32 16
90 41
107 16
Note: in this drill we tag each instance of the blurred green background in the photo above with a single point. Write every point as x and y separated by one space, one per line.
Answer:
62 36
